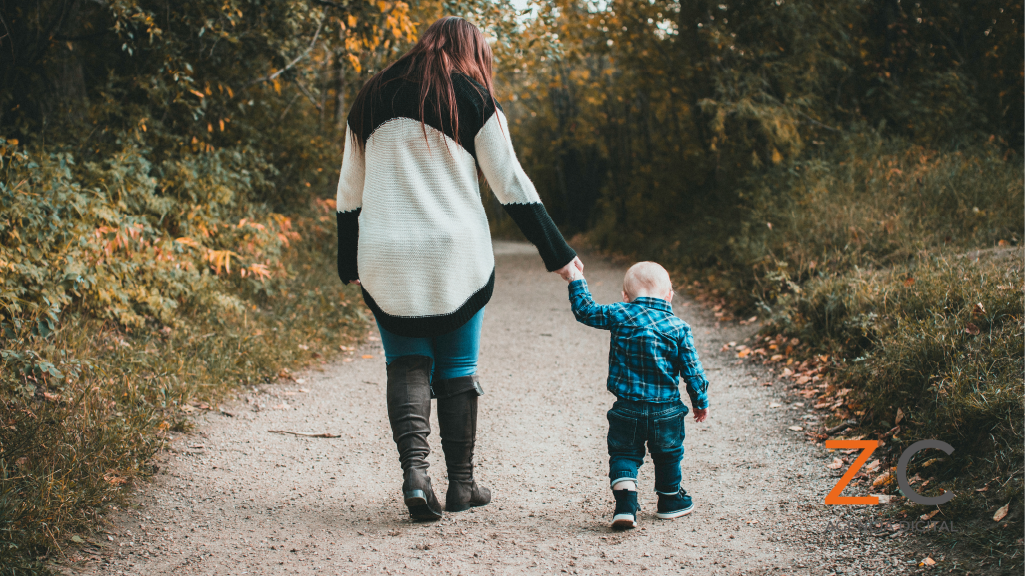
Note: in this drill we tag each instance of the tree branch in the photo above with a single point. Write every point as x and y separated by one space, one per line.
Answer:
308 95
271 77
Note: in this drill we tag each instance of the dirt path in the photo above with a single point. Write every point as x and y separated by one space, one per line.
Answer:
235 498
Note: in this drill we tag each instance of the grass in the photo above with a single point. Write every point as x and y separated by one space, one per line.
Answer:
78 444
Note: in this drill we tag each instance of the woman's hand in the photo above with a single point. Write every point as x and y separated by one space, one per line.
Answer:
572 271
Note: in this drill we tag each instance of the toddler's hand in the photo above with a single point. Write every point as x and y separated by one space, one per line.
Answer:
572 271
700 415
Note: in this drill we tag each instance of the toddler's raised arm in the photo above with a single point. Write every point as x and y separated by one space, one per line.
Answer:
584 308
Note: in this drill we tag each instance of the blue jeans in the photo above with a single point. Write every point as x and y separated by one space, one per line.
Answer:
454 354
631 424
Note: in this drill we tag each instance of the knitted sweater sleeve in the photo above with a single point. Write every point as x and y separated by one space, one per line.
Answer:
348 203
516 192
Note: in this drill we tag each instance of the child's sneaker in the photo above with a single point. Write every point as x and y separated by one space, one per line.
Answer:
625 516
674 505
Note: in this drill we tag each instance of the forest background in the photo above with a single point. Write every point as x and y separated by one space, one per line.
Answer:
848 172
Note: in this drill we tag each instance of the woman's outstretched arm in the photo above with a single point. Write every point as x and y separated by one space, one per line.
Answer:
516 192
348 203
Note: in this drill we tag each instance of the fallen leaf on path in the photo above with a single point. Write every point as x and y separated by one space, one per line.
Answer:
796 428
929 515
1001 513
979 310
776 358
928 561
871 466
972 329
320 435
883 479
787 372
900 416
835 465
775 405
743 353
367 356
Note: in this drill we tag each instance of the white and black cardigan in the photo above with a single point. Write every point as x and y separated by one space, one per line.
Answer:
411 225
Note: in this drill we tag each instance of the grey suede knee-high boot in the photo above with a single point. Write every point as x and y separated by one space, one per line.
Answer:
409 409
457 420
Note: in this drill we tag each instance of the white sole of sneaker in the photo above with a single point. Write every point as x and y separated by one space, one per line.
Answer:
673 514
623 521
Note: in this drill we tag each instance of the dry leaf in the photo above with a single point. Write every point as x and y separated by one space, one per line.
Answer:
787 372
909 282
795 428
836 464
928 561
752 319
900 416
775 405
882 480
367 356
1001 513
978 310
871 466
743 353
972 329
776 358
929 515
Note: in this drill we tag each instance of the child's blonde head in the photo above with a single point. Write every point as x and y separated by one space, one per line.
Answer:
647 279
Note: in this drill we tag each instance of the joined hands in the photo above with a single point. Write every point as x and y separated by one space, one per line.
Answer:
572 271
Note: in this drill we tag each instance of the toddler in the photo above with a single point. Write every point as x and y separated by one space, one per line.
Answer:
651 348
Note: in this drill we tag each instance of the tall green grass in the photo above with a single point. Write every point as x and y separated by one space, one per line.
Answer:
78 443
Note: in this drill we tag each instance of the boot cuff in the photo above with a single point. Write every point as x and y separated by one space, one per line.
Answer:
442 389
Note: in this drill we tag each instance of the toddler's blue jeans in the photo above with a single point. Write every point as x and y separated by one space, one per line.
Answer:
631 424
454 354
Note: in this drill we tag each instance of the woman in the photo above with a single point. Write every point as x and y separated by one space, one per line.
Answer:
412 231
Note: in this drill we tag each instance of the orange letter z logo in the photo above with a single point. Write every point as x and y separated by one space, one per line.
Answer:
868 446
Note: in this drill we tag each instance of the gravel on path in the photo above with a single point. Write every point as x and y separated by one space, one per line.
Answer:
237 498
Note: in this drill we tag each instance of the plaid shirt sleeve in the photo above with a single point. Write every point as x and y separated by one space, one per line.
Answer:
692 371
585 310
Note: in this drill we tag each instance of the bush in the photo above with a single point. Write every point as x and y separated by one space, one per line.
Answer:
72 440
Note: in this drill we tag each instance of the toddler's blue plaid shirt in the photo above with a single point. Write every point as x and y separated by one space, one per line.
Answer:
651 348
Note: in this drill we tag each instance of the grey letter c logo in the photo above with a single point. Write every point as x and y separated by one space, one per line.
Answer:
902 473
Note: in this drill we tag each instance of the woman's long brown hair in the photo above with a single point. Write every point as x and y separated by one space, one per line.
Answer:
449 45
